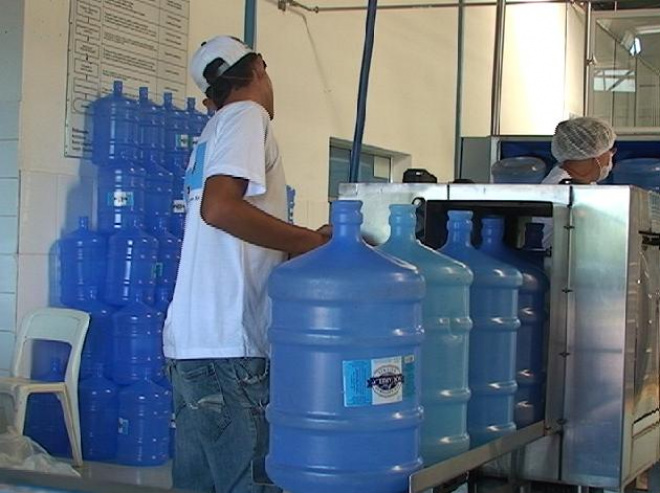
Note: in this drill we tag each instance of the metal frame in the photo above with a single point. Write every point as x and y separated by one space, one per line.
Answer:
602 421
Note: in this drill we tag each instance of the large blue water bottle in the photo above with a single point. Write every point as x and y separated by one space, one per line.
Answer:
530 401
346 338
158 194
165 383
447 323
144 424
98 402
532 249
132 266
151 124
44 419
178 216
82 262
196 122
115 127
96 350
137 342
177 146
169 254
521 169
641 172
494 313
121 196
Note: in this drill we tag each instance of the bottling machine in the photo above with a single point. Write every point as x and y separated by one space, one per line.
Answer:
602 419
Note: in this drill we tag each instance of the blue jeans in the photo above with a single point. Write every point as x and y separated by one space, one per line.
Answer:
221 430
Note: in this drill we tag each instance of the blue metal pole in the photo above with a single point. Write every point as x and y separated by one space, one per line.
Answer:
249 25
362 92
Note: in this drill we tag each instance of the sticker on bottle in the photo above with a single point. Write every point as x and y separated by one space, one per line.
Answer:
373 382
119 198
182 141
123 426
179 206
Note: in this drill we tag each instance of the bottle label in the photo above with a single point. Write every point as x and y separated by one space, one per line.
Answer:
123 426
119 198
182 141
179 206
372 382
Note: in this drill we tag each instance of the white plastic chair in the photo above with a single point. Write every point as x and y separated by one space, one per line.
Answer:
52 324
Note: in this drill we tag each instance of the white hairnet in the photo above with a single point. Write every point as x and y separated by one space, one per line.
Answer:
582 138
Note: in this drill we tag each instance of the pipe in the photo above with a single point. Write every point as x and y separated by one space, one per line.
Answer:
363 91
485 3
498 58
249 23
588 60
459 90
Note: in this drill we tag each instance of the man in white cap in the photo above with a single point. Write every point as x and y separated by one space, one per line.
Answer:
236 233
584 148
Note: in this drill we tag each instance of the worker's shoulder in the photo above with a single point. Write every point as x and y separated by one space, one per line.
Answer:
243 109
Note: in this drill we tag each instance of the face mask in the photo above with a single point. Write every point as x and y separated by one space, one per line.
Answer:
605 170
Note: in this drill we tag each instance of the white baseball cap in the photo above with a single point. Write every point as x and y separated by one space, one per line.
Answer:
228 48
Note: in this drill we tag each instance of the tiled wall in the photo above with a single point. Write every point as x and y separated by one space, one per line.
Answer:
11 42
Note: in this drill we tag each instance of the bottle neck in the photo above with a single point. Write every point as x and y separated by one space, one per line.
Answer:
459 235
402 232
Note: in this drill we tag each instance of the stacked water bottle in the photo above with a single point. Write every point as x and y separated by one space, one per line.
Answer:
347 320
123 274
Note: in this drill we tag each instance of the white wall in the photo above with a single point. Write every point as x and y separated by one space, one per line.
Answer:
11 59
314 61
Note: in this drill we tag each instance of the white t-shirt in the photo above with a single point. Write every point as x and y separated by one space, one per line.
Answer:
220 307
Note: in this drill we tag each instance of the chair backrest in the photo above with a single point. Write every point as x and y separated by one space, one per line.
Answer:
51 324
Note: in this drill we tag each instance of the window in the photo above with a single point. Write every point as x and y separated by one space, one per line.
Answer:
375 167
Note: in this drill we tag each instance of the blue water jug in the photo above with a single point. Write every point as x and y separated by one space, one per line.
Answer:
178 217
132 266
137 342
447 323
530 399
144 424
44 419
98 341
196 122
99 408
532 249
346 337
83 257
169 254
165 383
522 169
641 172
45 354
177 146
151 135
121 196
163 300
494 313
158 194
115 127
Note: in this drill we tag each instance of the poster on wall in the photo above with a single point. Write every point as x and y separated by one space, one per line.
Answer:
139 42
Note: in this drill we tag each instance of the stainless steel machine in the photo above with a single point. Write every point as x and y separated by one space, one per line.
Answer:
602 420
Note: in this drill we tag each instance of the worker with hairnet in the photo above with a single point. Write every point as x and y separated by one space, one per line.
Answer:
584 148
